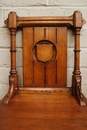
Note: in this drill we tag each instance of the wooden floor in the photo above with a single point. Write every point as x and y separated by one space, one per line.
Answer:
43 110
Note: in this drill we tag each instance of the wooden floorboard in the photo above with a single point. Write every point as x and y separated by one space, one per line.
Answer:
43 111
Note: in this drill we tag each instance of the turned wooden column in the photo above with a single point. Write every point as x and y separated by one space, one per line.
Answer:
77 23
77 26
13 51
12 19
77 52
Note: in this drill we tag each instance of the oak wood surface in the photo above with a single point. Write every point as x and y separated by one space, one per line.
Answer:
48 42
43 110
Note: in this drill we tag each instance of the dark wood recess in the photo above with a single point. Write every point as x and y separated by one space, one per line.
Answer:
45 55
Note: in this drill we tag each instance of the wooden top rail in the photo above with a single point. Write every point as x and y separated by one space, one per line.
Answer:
76 20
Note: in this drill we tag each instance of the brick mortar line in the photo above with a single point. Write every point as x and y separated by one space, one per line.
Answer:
36 6
5 67
2 84
8 47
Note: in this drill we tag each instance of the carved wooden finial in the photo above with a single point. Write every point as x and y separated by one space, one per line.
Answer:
11 21
78 21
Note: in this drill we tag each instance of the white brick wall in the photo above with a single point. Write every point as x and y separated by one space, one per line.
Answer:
40 8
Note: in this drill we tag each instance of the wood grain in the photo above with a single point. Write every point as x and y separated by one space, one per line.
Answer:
43 40
42 110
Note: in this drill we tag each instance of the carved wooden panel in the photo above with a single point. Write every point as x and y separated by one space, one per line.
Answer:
44 56
45 52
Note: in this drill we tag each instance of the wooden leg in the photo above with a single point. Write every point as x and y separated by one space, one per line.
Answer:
76 90
11 91
79 91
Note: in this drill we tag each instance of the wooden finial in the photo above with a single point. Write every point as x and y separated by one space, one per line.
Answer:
78 21
11 22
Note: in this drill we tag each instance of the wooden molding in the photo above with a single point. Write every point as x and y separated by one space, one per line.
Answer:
15 21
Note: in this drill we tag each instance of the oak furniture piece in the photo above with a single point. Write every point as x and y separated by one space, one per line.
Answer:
44 102
45 54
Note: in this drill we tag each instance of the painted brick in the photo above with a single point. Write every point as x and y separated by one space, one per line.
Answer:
4 73
3 90
69 11
83 38
1 18
4 58
19 11
84 58
6 3
44 11
84 90
4 37
67 2
19 39
20 73
16 3
69 76
0 3
24 3
28 3
70 58
19 58
84 76
70 39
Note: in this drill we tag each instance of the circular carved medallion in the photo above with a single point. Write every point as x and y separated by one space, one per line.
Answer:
44 51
